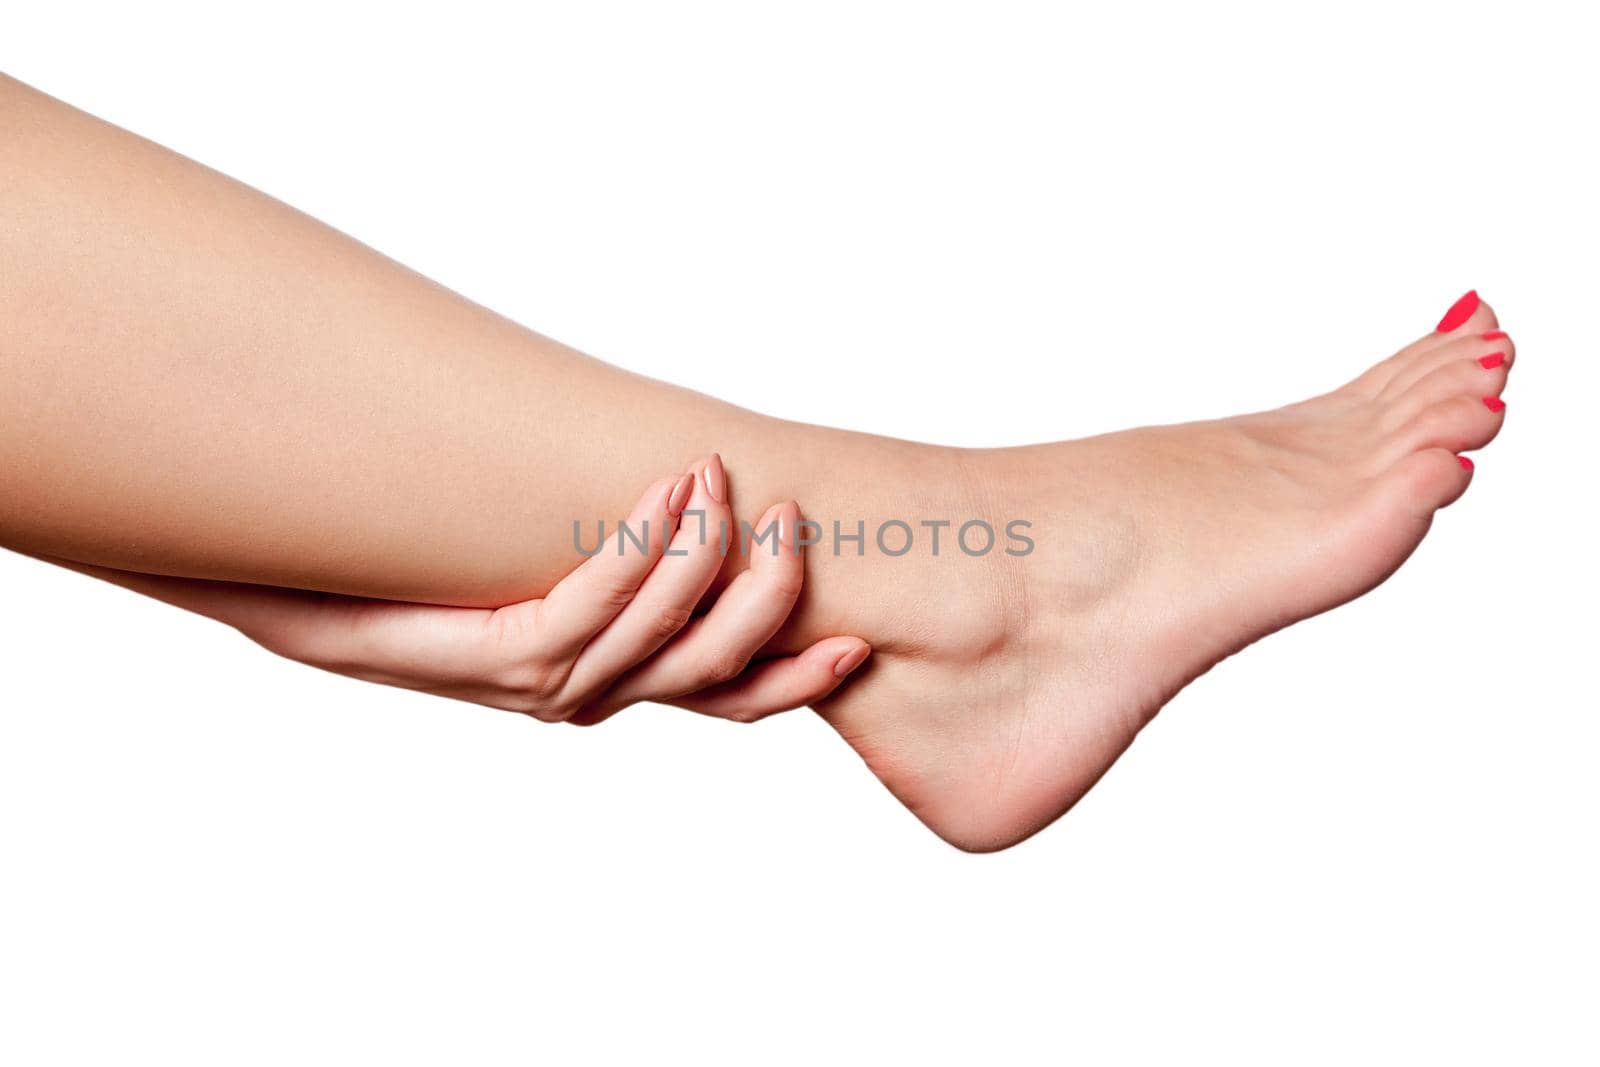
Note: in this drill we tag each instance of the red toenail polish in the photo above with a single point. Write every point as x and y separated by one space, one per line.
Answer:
1466 464
1492 360
1494 335
1459 312
1494 404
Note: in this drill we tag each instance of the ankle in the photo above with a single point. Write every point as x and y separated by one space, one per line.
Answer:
918 552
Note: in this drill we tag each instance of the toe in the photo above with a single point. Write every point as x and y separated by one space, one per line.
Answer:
1425 481
1460 314
1397 510
1460 375
1490 350
1460 423
1469 317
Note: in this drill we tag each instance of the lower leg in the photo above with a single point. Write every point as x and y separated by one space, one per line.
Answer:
201 381
287 407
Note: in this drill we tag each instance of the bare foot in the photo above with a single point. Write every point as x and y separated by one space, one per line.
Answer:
1161 551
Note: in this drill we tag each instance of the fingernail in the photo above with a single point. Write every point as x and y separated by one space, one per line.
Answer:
788 523
1494 335
851 660
1492 360
1466 464
680 495
716 479
1494 404
1459 312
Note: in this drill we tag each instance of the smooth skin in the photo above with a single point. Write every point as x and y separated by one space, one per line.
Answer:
619 630
240 393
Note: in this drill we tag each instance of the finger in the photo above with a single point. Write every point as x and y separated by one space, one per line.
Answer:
768 688
782 684
665 602
585 601
716 648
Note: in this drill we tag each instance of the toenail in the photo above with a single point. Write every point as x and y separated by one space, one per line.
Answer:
1492 360
1494 335
1494 404
1466 464
1459 312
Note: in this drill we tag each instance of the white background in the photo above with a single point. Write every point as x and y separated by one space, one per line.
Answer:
1373 835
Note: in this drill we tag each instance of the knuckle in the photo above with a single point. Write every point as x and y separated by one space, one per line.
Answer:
668 620
552 713
535 686
618 594
721 666
787 582
514 631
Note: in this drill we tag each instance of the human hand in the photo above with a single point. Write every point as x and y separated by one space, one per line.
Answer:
618 630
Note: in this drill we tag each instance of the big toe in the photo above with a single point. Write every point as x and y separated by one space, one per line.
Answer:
1469 313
